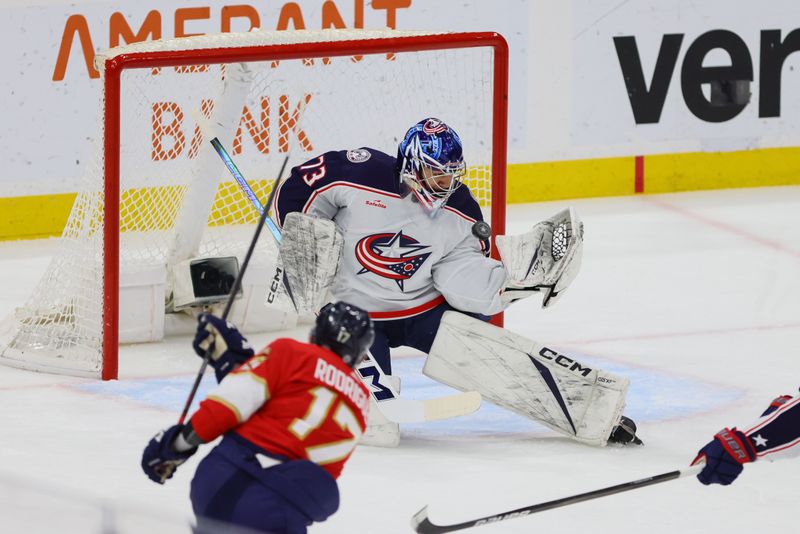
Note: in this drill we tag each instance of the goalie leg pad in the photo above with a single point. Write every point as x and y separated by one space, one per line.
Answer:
310 249
526 377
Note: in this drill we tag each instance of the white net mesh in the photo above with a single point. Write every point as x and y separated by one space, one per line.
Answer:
178 201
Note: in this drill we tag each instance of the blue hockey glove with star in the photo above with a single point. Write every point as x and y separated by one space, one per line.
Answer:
160 459
724 457
229 348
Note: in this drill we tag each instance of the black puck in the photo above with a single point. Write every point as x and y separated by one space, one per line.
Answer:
482 230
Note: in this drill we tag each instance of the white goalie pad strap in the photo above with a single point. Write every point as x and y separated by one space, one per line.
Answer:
526 377
546 259
310 250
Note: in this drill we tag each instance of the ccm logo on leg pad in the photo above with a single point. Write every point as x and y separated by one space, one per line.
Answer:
564 361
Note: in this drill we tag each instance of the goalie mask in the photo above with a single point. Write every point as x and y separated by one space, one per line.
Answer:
431 162
346 330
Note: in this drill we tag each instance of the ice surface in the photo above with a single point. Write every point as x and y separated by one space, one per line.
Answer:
694 296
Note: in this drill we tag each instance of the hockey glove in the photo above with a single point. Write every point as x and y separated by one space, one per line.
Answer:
546 259
228 347
160 459
724 456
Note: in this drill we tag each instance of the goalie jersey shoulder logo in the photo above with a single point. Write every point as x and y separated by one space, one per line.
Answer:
393 256
358 155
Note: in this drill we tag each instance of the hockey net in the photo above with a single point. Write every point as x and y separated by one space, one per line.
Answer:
158 194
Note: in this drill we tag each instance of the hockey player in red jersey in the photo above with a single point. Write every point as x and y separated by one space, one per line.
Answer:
290 416
411 246
776 434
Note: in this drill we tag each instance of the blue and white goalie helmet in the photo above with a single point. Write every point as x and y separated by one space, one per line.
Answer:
431 162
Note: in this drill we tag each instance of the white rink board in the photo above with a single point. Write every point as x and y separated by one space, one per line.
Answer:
567 98
52 103
600 105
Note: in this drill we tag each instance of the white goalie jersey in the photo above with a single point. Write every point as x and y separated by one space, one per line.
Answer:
397 260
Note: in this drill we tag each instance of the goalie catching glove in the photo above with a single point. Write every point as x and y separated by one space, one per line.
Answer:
546 259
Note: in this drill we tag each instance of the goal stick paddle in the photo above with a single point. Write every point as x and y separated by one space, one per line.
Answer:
402 410
251 195
205 128
423 525
236 284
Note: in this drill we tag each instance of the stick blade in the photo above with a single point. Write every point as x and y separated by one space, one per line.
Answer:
421 524
453 406
402 410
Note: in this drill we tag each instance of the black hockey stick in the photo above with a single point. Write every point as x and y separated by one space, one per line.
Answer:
420 522
236 284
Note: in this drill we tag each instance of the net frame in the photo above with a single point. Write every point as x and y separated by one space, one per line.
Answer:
207 50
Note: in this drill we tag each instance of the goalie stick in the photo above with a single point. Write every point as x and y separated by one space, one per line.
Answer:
261 208
251 195
236 284
400 410
423 525
396 409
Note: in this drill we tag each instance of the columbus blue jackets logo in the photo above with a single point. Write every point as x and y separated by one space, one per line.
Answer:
393 256
434 126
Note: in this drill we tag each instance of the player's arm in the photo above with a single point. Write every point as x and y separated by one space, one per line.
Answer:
240 394
306 191
775 435
470 281
234 400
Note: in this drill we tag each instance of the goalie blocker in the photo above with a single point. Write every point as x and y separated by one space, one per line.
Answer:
310 249
530 379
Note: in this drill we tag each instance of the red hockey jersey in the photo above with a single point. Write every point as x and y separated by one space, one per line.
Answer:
293 399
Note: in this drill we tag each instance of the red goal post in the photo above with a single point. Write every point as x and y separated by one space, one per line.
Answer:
440 57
